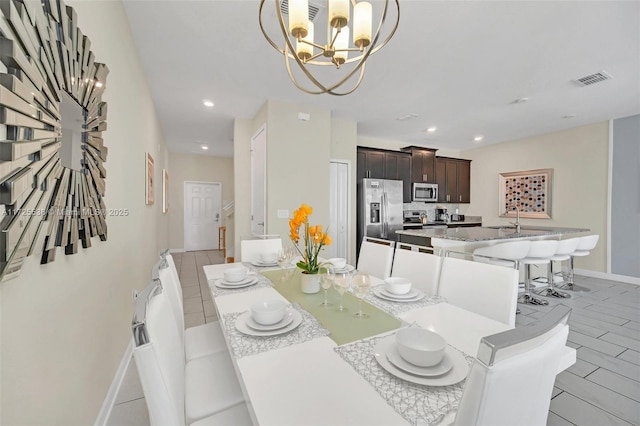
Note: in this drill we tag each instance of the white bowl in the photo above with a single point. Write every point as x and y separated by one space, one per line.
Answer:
269 257
235 274
268 312
397 285
338 262
421 347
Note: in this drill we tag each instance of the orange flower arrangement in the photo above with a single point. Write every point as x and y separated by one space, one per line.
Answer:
314 239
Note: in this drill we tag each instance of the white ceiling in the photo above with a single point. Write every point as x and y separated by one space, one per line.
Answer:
458 65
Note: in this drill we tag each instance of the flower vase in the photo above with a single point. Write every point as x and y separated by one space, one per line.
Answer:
310 283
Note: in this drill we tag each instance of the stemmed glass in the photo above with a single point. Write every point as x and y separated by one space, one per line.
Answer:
361 285
326 279
284 261
341 284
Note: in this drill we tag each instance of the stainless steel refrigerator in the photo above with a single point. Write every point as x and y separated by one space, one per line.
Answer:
380 209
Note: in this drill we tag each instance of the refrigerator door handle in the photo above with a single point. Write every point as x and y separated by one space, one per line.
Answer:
384 219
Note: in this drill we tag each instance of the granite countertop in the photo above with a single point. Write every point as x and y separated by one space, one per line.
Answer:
480 233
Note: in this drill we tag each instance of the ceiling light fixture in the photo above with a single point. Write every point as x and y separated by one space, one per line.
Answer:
478 138
431 129
208 103
205 147
336 47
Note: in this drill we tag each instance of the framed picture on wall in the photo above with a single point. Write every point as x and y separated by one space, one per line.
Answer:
165 191
529 191
149 181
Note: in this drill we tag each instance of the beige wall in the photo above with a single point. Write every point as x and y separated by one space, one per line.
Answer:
200 168
579 159
65 325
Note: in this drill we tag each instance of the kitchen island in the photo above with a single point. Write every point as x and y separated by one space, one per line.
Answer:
468 239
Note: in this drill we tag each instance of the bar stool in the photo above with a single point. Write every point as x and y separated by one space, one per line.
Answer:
540 253
585 245
565 248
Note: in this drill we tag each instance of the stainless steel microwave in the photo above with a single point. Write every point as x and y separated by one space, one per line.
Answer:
427 192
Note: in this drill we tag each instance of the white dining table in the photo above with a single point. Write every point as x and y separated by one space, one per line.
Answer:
309 383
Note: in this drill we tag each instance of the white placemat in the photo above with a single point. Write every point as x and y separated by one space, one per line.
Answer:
397 308
242 345
418 404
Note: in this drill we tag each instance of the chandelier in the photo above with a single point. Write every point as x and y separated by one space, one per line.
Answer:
300 44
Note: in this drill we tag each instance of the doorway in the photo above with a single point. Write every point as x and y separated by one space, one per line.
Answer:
259 181
339 208
202 209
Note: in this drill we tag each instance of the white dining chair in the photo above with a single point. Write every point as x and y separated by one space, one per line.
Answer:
511 380
201 340
417 265
204 391
250 250
488 290
376 257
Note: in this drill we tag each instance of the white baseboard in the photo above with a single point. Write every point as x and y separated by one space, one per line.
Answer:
606 276
176 250
112 393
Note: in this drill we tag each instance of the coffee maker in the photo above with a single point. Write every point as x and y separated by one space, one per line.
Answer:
442 215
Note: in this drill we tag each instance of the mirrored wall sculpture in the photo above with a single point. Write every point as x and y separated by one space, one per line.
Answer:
52 175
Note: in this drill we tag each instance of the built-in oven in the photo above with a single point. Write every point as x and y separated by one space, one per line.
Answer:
426 192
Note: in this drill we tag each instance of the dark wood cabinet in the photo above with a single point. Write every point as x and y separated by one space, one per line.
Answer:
423 164
453 177
382 164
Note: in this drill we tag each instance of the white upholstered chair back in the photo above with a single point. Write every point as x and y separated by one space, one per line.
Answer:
376 257
250 250
172 292
488 290
160 361
511 380
566 247
422 269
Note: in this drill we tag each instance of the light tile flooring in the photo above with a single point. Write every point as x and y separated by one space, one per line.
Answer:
602 388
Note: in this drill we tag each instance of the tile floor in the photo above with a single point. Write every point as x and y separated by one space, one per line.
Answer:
602 388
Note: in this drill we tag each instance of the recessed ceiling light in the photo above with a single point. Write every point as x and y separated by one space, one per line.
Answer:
208 103
204 147
478 138
431 129
569 116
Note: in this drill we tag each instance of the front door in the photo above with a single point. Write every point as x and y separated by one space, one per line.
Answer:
202 204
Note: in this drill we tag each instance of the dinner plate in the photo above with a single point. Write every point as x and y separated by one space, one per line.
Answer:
262 264
242 327
439 369
286 320
411 294
419 296
457 373
219 284
347 268
245 280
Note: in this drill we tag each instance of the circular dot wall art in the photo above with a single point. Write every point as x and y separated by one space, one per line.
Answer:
528 191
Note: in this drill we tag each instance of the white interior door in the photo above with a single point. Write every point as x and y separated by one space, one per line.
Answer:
202 205
339 209
259 182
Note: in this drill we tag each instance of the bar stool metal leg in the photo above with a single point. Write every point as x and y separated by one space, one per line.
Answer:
551 290
570 285
528 296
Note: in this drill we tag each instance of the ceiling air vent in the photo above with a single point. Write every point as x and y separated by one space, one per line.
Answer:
313 9
598 77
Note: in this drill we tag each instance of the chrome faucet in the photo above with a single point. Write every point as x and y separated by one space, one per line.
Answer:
517 222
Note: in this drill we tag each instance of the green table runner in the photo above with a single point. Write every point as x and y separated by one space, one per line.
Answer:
344 326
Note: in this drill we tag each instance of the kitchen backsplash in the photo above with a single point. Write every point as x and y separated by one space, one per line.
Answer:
430 208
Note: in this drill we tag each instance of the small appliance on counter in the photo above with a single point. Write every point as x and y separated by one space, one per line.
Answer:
455 217
442 215
414 219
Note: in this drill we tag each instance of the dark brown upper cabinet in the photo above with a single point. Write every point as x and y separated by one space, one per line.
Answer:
383 164
453 176
423 164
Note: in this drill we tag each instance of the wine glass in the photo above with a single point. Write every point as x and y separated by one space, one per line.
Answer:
326 279
341 281
360 285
